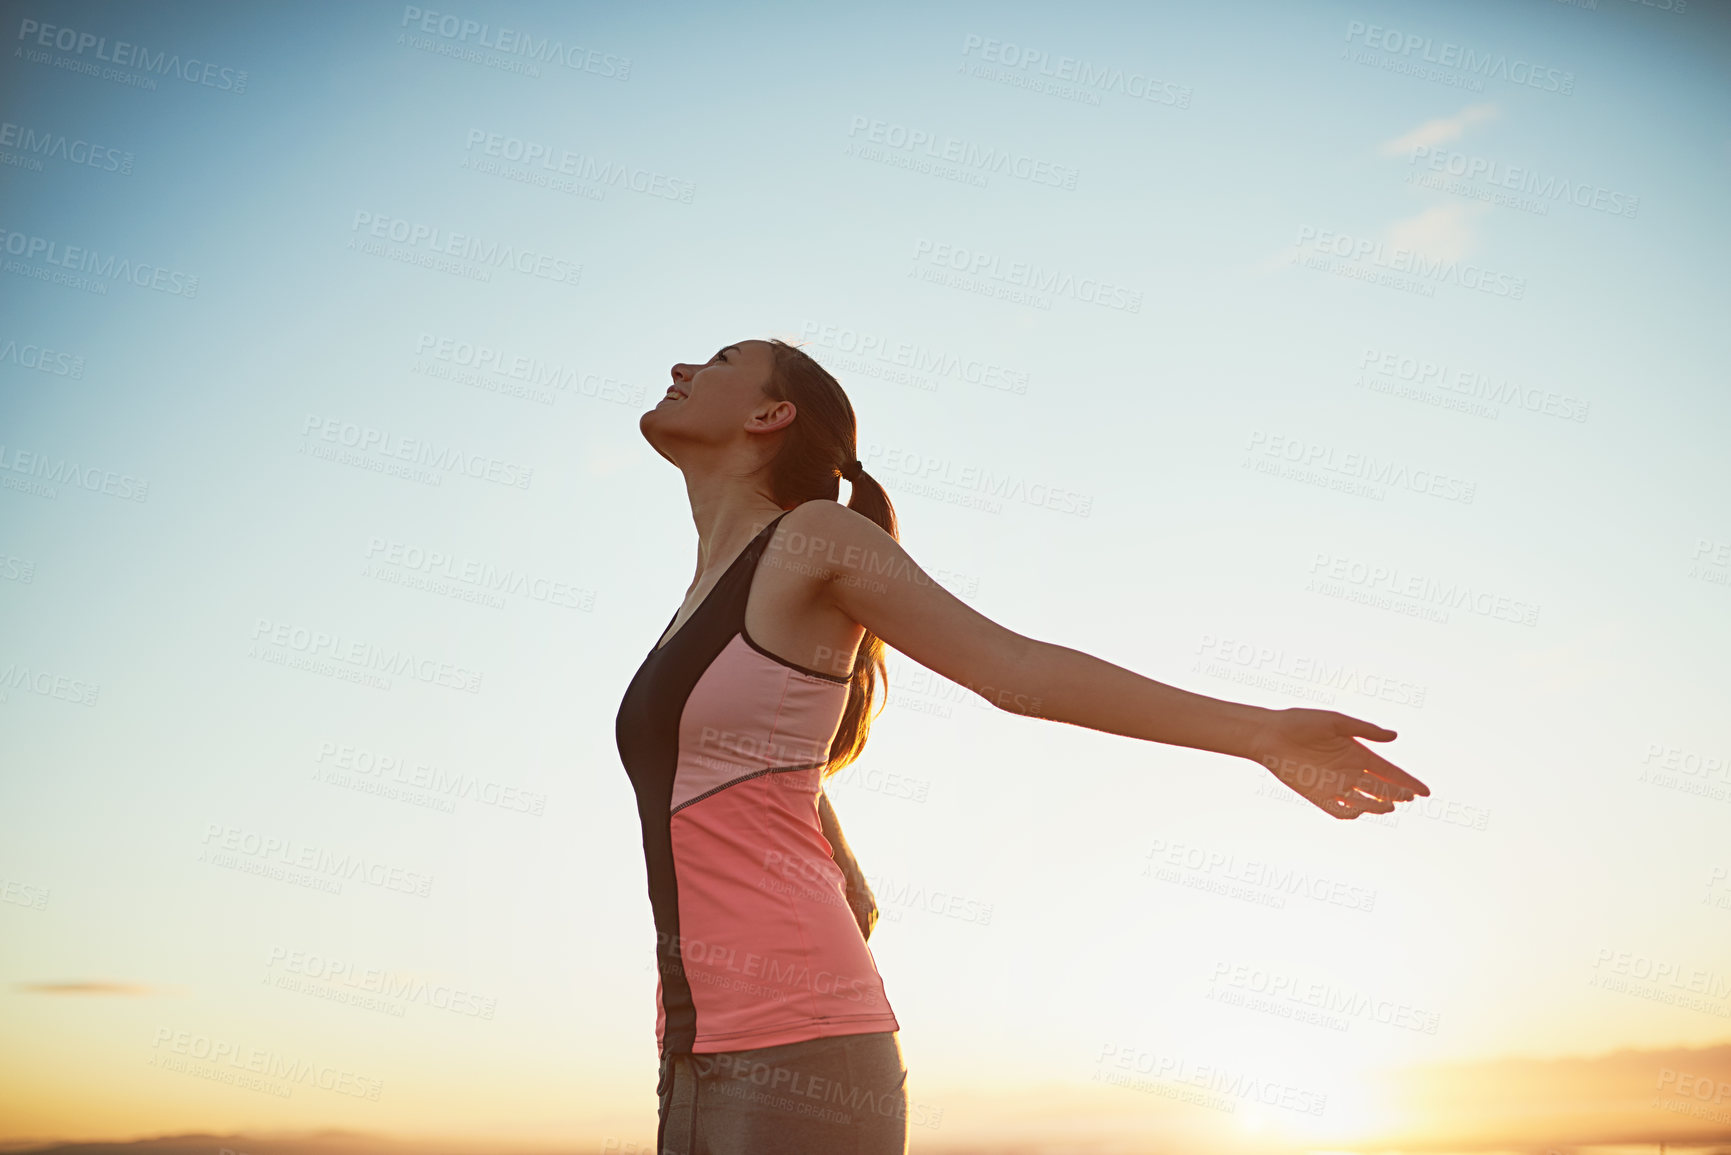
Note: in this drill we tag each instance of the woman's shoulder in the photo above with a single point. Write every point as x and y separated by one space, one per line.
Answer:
821 519
820 513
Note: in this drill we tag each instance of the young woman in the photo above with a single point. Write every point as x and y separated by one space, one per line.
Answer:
774 1031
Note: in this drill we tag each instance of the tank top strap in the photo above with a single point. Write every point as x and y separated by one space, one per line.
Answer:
761 541
740 574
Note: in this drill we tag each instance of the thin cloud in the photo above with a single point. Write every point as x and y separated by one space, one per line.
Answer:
129 990
1445 231
1440 131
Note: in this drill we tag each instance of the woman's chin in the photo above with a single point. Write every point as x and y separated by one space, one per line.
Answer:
652 433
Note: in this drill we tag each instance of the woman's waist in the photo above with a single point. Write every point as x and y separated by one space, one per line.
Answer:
812 947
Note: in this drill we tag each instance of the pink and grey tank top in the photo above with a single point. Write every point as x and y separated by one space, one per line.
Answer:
761 912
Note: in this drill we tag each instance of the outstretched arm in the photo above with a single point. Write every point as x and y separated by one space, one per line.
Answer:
872 579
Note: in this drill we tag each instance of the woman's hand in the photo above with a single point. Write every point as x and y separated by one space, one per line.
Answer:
1314 752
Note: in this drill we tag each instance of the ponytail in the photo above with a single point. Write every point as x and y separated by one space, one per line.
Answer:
819 444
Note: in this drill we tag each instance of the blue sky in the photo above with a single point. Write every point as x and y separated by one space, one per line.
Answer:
1544 858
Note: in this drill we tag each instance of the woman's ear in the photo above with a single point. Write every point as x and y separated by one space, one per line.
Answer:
775 414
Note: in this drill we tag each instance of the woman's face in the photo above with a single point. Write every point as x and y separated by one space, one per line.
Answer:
717 401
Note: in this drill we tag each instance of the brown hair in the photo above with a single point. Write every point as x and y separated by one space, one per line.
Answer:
822 439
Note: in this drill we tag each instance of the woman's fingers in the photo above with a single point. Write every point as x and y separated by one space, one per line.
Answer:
1329 805
1349 727
1366 795
1346 726
1382 790
1338 807
1346 770
1374 763
1373 803
1351 805
1336 773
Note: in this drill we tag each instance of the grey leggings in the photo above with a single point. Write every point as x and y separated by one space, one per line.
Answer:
844 1095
